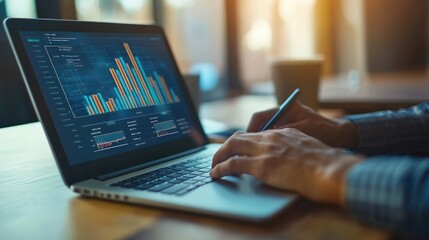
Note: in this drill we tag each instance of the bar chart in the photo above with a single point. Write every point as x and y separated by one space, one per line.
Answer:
134 88
110 93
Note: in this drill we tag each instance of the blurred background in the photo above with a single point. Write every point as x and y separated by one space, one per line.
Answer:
229 43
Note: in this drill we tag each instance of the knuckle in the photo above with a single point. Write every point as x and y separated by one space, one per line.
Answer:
233 163
291 130
232 141
270 146
263 170
238 133
274 136
235 138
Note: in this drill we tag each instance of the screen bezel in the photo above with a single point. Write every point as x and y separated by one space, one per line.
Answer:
75 173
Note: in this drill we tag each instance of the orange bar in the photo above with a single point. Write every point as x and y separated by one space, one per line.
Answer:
133 81
170 99
112 103
124 75
156 90
127 82
118 84
111 106
121 90
139 74
91 112
108 106
98 103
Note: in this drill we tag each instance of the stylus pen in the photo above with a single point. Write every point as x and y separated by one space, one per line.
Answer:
285 105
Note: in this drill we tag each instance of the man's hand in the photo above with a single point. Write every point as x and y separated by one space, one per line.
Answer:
335 133
287 159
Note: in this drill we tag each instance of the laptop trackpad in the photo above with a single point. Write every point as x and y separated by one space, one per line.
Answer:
242 195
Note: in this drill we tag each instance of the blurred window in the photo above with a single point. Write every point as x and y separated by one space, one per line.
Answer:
196 30
273 28
126 11
21 8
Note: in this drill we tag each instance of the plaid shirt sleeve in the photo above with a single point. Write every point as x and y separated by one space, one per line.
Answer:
393 132
392 191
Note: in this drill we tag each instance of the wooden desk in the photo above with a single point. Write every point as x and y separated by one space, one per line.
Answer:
373 92
34 203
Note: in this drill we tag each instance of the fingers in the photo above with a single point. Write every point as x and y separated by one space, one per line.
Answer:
238 144
234 165
259 119
291 115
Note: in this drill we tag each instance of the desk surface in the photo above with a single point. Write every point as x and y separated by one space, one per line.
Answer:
375 92
357 93
34 202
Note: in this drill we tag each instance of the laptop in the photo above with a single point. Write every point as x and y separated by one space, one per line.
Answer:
121 123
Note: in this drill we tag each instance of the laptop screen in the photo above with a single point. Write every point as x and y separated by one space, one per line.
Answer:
109 93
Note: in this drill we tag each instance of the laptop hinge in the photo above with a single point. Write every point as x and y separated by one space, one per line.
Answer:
146 165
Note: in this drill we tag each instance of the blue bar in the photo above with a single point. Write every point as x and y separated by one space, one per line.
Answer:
146 79
161 89
154 95
87 103
140 87
131 101
94 106
124 86
174 94
121 101
124 65
157 90
141 69
136 97
106 109
118 104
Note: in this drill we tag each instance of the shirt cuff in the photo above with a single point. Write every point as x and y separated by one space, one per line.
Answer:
372 132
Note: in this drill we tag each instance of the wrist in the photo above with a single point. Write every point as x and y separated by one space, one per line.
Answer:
351 162
348 134
337 175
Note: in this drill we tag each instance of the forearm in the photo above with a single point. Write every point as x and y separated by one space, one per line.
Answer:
390 192
393 132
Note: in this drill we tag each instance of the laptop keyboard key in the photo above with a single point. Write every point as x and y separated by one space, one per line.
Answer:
207 180
176 181
157 182
175 175
205 175
144 186
199 178
175 188
190 181
182 192
161 187
186 190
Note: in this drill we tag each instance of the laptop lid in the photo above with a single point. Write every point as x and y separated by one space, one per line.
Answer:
109 96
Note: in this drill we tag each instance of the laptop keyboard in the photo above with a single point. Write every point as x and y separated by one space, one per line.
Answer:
177 179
